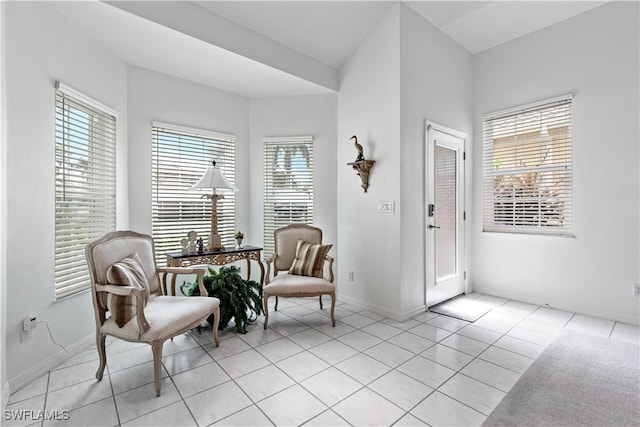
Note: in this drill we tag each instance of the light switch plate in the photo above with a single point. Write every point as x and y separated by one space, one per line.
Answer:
386 207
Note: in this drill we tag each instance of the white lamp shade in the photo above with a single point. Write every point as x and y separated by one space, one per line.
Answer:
213 178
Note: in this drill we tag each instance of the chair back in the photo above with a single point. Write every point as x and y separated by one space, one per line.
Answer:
286 239
115 246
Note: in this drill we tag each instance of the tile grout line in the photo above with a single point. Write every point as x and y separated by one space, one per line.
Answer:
232 379
459 371
46 396
362 386
113 393
182 398
394 368
331 338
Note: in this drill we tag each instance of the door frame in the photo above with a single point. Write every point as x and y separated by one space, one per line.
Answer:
430 127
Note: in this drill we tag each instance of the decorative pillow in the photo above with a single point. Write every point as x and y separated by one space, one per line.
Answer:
309 260
126 272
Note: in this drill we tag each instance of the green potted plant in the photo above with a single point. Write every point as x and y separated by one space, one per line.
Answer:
239 298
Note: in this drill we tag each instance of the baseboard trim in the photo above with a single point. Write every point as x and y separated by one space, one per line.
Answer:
394 315
4 393
559 305
408 315
26 377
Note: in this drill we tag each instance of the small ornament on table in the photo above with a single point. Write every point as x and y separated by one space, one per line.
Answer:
185 245
239 236
200 245
192 236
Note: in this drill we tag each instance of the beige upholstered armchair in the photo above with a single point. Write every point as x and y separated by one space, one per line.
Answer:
126 283
298 267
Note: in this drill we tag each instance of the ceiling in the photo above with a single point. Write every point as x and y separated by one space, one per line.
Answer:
332 30
279 48
326 30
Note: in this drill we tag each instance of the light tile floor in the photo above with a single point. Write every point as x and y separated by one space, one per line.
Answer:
368 370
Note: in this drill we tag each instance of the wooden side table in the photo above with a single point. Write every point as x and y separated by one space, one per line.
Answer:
221 257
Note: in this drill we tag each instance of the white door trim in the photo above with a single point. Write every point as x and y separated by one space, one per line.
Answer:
429 176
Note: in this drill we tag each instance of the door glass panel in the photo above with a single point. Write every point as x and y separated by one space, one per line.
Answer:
446 199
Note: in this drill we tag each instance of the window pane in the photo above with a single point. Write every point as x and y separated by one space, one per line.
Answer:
85 187
180 158
446 215
527 170
288 185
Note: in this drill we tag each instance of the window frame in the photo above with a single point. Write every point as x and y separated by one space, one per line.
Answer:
177 210
520 196
300 203
85 136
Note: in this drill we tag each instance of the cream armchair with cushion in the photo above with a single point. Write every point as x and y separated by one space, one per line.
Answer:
126 283
298 267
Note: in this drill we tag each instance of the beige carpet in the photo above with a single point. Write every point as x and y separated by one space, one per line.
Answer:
579 380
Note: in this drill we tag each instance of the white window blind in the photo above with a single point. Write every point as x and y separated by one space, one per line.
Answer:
85 208
288 184
527 169
180 157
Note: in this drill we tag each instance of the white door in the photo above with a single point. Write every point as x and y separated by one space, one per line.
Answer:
445 276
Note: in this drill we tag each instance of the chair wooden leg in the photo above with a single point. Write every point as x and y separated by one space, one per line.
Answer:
333 306
156 347
276 307
265 300
320 299
216 323
100 343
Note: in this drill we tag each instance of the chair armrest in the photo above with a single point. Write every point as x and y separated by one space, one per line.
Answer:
330 259
174 271
117 289
269 261
138 294
181 270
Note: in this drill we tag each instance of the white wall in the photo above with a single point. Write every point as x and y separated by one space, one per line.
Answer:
41 47
4 384
296 116
595 56
435 86
404 73
387 89
153 97
369 107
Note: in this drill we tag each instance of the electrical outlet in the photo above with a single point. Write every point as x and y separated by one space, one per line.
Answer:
28 324
351 276
636 289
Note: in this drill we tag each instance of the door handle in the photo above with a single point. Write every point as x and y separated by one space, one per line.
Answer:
432 226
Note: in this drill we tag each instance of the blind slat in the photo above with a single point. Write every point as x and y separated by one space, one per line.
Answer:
527 167
85 139
180 157
288 184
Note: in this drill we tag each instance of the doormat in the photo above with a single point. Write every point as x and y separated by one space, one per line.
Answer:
463 308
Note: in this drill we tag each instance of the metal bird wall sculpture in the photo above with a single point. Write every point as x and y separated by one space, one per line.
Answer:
358 149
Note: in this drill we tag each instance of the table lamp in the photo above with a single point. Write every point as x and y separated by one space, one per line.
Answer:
214 180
